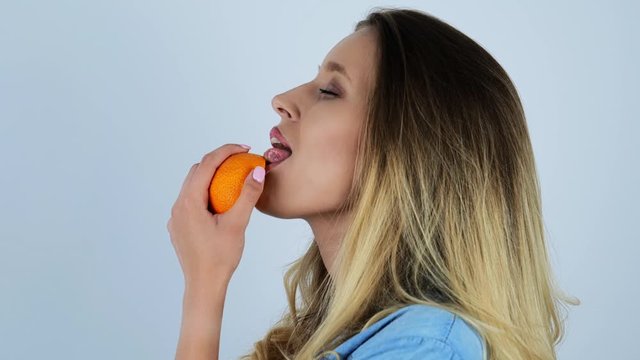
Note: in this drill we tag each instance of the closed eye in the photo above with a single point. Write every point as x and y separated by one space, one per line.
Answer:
327 92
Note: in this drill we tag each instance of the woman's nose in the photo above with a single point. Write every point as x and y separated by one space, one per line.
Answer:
280 107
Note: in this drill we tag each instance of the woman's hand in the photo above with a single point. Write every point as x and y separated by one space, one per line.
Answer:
207 244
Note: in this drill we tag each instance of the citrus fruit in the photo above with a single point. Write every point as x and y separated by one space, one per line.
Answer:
229 177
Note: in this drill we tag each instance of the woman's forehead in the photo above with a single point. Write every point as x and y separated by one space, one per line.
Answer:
353 56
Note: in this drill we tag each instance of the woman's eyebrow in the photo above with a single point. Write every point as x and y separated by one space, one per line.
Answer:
334 66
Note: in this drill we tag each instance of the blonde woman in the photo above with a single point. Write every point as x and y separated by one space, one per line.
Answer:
409 157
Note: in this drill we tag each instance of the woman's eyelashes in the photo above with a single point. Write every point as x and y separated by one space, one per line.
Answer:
327 92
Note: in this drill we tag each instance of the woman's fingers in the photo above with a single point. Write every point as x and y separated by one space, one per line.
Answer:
197 187
237 218
187 179
182 195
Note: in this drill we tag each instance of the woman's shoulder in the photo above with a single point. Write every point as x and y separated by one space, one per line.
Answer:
435 328
414 331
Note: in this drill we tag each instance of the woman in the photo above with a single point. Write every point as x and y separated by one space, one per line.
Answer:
411 162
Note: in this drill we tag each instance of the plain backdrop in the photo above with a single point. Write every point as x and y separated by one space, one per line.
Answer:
105 104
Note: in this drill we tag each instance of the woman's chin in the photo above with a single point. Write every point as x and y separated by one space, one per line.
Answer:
265 203
268 207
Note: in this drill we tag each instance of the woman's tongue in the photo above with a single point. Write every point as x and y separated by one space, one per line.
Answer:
275 155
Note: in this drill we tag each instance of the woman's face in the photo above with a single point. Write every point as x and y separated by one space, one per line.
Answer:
322 130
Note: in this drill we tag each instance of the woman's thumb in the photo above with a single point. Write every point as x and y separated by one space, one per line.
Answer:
240 213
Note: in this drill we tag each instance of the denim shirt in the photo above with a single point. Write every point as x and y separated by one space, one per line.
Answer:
415 331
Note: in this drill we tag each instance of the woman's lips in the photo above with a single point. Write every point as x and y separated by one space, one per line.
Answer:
275 154
280 151
270 166
275 133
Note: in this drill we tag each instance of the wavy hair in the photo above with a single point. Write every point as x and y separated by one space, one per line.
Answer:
445 206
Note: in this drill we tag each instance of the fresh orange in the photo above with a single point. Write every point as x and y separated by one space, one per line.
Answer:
229 177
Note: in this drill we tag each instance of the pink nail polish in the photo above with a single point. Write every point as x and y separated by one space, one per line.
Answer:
258 174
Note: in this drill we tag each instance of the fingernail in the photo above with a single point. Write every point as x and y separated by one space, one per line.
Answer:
258 174
245 146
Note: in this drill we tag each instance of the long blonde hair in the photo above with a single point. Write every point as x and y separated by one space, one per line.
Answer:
445 205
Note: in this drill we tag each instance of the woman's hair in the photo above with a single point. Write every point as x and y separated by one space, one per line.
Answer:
445 206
